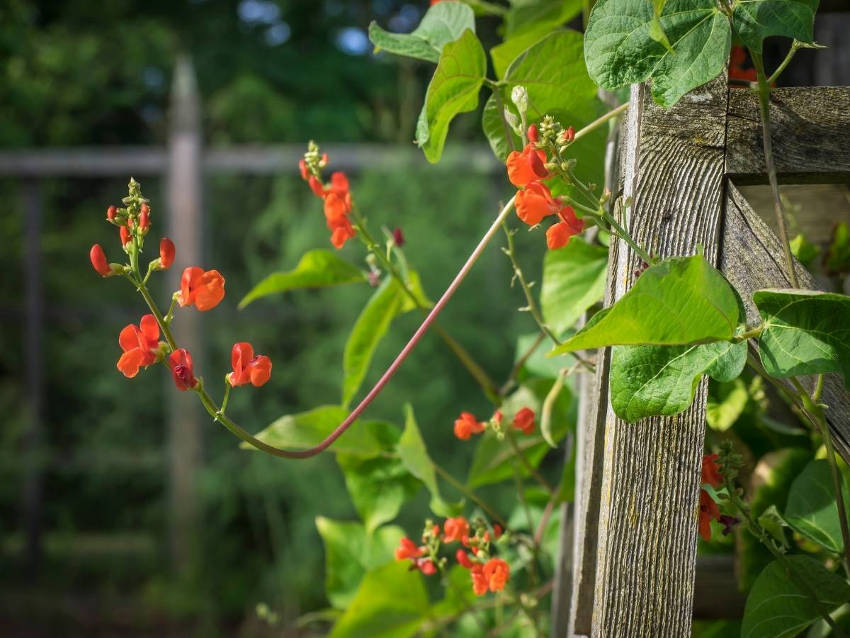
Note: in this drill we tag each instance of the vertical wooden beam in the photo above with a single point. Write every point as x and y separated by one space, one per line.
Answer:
185 227
34 373
674 175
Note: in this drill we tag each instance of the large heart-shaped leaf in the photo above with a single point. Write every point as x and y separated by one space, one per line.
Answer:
754 20
350 552
804 332
316 269
622 45
777 607
414 456
387 302
443 23
682 300
812 510
662 380
573 280
453 89
391 602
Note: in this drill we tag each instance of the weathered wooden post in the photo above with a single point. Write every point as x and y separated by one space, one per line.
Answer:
634 541
185 227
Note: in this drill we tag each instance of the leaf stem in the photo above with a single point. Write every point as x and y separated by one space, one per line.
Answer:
601 120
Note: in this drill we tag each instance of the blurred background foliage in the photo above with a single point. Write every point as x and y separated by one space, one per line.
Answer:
79 73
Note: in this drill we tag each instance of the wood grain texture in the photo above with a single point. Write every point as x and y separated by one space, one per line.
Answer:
751 258
809 133
673 169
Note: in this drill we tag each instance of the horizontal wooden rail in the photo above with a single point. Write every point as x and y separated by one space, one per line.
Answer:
259 160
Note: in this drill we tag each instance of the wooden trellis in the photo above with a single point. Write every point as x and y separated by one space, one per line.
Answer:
632 565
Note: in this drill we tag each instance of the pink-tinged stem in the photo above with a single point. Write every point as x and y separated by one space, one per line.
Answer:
394 366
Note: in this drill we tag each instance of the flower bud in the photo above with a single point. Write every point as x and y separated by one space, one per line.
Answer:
144 218
569 135
98 261
510 118
398 237
110 213
166 253
519 96
124 232
532 134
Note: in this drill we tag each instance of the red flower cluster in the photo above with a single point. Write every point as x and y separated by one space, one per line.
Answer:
534 200
204 289
466 424
337 199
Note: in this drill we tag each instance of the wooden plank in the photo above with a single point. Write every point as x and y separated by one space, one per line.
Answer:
185 228
751 258
809 127
673 171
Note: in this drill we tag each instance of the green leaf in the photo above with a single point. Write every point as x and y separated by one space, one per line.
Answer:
772 522
316 269
391 602
304 430
350 552
803 249
386 303
682 300
662 380
453 89
804 332
726 403
532 16
838 254
573 280
778 608
414 456
812 510
378 486
443 23
754 20
620 48
554 73
503 54
459 595
772 478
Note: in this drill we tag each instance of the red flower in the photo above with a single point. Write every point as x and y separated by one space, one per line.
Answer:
479 581
180 362
139 345
463 559
426 566
526 166
708 510
532 133
496 574
166 253
407 549
110 213
569 135
524 420
305 172
124 233
497 530
247 368
558 235
466 425
98 261
710 472
204 289
455 529
535 202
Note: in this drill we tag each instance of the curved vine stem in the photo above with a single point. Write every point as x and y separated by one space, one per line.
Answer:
778 208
